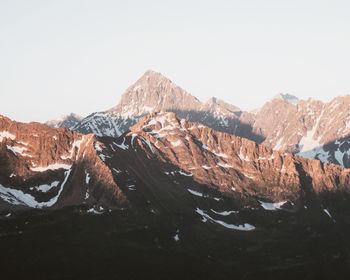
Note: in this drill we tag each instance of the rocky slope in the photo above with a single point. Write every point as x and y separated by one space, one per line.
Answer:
310 128
163 163
41 167
231 165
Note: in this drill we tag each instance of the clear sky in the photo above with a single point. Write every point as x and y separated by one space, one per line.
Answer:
64 56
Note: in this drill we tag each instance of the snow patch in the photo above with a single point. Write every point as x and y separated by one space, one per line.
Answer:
224 165
224 213
98 147
206 167
54 166
17 150
18 197
272 206
6 134
205 217
87 177
329 214
122 145
195 193
94 211
185 174
308 142
176 143
176 236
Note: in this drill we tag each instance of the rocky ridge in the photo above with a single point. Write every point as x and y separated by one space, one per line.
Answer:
43 167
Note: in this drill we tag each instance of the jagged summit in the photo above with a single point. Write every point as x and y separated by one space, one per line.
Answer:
288 98
68 121
153 92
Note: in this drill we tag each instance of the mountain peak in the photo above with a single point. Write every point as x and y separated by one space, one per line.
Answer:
288 98
153 92
151 75
68 121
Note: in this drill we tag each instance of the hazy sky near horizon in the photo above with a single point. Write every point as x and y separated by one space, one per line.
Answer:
58 57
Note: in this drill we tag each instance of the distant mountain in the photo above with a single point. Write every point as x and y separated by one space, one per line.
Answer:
288 98
310 128
154 92
68 121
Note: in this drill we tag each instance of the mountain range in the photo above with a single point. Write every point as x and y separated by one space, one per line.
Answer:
163 180
309 128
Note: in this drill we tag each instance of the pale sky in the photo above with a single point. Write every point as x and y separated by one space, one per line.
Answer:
64 56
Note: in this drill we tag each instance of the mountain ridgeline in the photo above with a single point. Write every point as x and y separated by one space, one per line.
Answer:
189 189
309 128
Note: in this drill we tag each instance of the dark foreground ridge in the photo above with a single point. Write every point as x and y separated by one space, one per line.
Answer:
66 244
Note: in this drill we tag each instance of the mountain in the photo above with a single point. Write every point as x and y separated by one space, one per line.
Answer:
232 165
171 194
43 167
154 92
310 128
68 121
163 156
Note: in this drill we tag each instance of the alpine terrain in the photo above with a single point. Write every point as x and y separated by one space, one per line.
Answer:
309 128
172 197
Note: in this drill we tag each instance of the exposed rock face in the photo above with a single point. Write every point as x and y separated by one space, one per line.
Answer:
42 167
164 163
153 92
68 121
311 128
232 164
